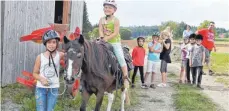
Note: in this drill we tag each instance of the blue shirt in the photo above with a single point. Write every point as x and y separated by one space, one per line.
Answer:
154 56
187 33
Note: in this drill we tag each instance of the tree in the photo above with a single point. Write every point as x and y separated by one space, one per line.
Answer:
204 24
87 27
178 33
173 25
94 33
125 34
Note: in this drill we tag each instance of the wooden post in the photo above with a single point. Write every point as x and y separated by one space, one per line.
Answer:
66 9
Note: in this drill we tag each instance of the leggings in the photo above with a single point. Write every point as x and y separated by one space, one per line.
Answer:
141 73
197 74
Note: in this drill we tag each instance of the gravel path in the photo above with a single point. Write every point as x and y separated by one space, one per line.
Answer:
159 99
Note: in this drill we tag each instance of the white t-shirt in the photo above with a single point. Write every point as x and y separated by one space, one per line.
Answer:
49 72
189 47
185 51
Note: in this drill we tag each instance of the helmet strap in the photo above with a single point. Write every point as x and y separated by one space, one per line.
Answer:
107 16
51 60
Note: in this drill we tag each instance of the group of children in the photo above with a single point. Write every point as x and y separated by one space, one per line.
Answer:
192 56
159 49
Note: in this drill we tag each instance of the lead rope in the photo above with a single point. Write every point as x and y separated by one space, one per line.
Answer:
56 75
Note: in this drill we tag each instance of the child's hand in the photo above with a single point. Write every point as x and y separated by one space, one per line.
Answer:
190 64
105 39
44 81
154 41
203 63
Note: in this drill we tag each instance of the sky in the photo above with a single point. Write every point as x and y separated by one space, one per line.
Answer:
153 12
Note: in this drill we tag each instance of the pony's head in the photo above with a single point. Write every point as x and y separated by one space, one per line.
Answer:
74 57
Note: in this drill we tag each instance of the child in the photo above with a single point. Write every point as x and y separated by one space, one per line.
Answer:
46 72
189 46
184 53
138 56
197 59
153 58
164 56
109 32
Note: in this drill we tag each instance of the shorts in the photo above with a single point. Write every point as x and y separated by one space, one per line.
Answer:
151 66
207 55
163 66
184 63
119 53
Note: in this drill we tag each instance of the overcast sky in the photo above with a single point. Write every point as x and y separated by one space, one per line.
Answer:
153 12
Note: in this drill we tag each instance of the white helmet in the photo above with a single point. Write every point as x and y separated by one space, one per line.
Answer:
110 2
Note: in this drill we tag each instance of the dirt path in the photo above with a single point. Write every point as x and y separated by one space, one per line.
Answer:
159 99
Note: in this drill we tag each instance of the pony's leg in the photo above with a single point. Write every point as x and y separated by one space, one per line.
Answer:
85 98
99 100
123 97
110 101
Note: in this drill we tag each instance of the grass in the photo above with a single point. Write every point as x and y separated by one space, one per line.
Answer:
220 63
222 39
19 94
189 98
172 76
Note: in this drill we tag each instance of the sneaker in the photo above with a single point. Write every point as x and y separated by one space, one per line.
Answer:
132 86
203 73
198 86
152 86
161 85
189 82
180 81
211 72
143 86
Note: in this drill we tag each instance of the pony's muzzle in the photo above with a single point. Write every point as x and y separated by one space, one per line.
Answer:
69 80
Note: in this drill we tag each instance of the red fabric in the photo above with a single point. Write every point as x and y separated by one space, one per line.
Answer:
138 56
77 31
208 38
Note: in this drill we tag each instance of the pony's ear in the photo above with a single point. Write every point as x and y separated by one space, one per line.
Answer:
66 40
81 39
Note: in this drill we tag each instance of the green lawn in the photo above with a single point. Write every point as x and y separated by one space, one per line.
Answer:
189 98
220 63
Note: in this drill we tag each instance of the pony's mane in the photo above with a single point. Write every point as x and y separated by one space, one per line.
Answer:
98 60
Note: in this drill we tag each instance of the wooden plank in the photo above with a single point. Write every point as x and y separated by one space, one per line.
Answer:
21 18
1 23
66 11
76 15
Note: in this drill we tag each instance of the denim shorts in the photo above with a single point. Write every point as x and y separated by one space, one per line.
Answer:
46 98
119 53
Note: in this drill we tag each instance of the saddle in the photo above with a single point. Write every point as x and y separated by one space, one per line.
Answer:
115 67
